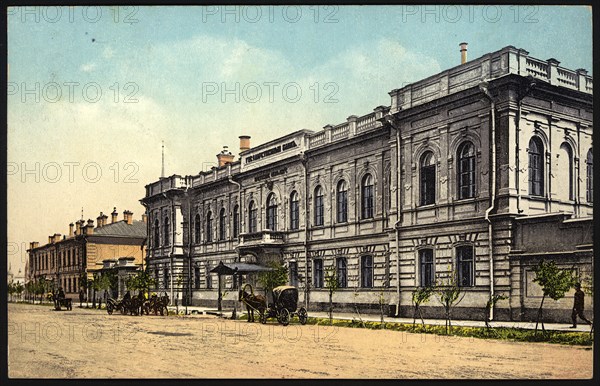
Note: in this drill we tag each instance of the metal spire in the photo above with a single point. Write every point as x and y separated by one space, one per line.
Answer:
162 174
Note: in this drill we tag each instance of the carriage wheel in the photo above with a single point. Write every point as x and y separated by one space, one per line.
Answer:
284 316
302 315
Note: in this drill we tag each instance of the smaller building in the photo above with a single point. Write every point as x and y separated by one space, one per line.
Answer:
66 261
557 237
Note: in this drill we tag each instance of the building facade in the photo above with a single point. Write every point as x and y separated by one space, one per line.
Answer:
436 187
66 260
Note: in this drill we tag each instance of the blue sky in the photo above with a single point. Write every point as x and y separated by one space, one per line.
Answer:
344 60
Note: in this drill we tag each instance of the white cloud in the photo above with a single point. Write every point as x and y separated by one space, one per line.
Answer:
88 67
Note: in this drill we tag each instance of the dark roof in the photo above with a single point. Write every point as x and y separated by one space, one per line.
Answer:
122 229
231 268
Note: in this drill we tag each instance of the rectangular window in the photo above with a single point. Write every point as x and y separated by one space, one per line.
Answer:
318 282
156 278
293 273
342 272
465 259
166 278
366 271
197 278
426 267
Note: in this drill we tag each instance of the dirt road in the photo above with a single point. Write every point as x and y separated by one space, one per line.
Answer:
92 344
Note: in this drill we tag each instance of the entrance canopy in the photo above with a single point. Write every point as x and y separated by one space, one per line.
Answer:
239 268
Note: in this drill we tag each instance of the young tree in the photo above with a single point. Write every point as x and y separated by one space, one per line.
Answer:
356 295
11 290
382 300
449 295
555 282
141 281
332 284
41 286
85 283
271 279
178 281
19 289
489 305
420 296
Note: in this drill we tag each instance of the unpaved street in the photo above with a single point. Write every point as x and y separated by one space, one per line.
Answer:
92 344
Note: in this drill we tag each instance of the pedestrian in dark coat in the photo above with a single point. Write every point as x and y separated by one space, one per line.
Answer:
578 306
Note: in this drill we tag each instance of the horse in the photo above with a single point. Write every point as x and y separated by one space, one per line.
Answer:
252 302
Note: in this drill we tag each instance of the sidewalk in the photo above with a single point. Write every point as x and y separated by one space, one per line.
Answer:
194 310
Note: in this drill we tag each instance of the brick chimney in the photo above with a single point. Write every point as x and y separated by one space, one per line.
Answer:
50 240
128 217
463 52
79 227
71 225
89 228
33 244
144 217
224 157
100 220
244 143
114 215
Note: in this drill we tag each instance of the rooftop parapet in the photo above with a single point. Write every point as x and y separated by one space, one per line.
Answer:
508 60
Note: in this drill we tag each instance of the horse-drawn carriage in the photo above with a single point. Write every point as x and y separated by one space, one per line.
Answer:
284 306
138 305
60 301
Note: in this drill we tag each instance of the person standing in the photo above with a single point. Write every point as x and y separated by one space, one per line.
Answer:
578 306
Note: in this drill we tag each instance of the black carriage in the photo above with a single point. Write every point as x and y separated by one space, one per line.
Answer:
126 306
63 302
285 306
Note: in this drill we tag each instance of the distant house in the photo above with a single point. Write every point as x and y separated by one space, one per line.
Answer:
66 260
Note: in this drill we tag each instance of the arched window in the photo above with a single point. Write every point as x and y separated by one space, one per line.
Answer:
427 178
222 224
271 212
589 184
252 217
466 170
197 226
536 167
167 232
156 234
564 173
367 197
209 227
236 221
294 211
319 208
342 202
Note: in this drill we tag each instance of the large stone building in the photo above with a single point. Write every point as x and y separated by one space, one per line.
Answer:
494 152
66 259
